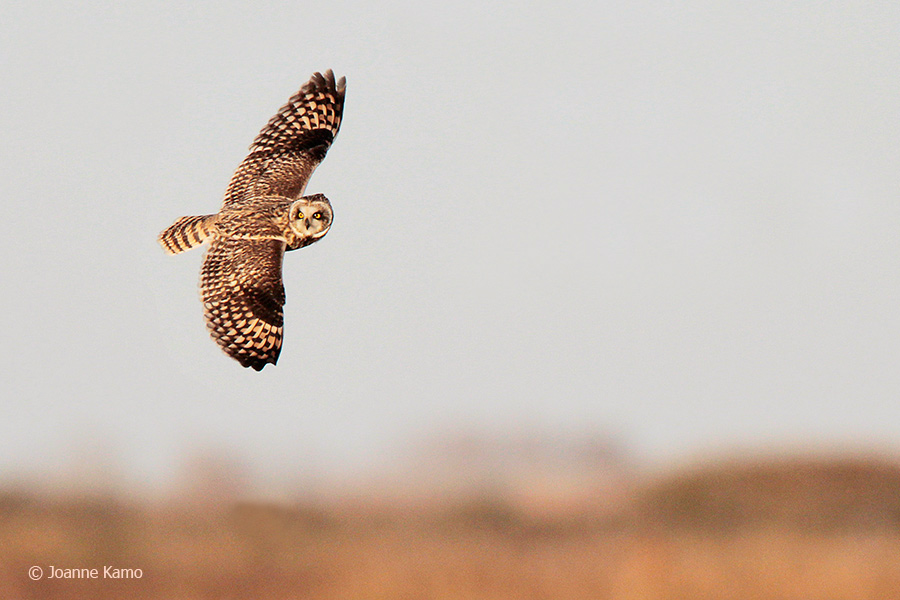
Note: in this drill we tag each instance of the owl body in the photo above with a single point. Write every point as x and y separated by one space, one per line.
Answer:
263 216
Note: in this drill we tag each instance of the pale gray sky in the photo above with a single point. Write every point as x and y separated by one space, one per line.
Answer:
674 221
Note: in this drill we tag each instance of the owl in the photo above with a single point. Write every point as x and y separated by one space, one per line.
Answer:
264 214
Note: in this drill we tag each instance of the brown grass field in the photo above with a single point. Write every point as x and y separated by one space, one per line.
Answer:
804 529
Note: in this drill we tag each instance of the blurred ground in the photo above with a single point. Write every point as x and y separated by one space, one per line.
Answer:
802 527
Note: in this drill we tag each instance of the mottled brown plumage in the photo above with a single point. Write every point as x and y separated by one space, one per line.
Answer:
263 215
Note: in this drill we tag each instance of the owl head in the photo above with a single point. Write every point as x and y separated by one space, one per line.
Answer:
310 217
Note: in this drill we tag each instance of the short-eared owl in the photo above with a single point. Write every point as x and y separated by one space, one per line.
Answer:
264 214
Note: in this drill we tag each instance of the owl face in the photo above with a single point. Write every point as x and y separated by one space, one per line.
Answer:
311 216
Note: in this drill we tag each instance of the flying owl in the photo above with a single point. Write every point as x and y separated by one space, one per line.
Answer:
264 214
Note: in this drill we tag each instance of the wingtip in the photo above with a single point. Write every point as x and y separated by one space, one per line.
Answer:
325 81
254 362
161 239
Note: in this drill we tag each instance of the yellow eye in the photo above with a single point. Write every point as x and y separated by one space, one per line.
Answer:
318 216
299 215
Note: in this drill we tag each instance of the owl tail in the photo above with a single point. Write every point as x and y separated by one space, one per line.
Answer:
186 233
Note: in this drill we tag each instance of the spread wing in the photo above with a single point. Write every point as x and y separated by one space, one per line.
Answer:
243 296
288 149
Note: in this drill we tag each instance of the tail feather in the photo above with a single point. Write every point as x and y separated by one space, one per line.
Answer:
186 233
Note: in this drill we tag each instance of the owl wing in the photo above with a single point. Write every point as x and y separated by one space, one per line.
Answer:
288 149
243 296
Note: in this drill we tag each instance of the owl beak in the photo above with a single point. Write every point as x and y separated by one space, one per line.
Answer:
306 223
